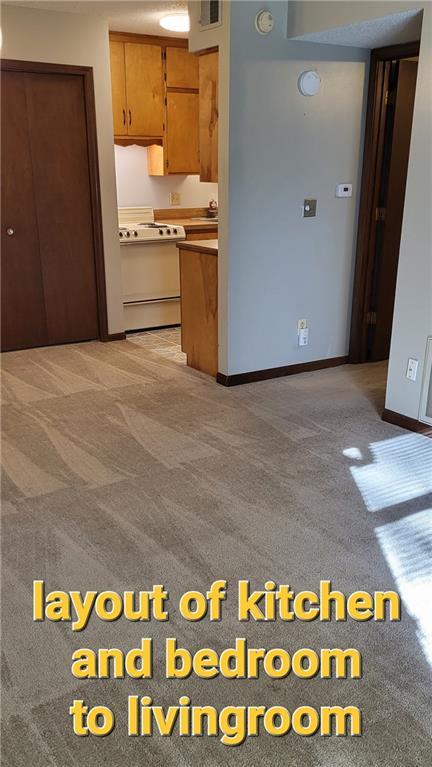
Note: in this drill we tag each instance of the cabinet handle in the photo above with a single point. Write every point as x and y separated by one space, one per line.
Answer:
130 117
10 232
124 117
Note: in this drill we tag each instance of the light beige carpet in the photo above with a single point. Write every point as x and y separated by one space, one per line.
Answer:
123 468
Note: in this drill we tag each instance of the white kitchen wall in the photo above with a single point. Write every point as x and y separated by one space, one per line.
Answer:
136 187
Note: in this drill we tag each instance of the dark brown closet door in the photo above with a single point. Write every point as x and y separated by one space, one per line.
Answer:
22 299
49 274
58 139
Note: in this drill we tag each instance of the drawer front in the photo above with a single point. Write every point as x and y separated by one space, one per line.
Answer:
207 235
151 315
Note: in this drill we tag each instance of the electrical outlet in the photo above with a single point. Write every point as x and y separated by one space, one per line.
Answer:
175 198
302 325
309 208
303 337
411 373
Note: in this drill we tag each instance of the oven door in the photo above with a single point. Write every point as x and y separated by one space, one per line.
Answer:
151 284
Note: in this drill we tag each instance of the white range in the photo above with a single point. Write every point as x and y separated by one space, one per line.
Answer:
150 269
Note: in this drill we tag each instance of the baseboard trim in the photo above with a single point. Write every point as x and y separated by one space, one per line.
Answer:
114 337
285 370
397 419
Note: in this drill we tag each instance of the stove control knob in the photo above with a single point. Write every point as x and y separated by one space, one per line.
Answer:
160 231
120 234
127 234
135 234
168 231
174 231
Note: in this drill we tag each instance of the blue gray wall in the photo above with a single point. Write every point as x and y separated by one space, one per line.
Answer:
285 147
412 322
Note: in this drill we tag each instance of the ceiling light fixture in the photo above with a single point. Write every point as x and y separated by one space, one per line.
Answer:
176 22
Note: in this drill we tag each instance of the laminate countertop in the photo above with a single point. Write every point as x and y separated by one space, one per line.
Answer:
210 247
192 225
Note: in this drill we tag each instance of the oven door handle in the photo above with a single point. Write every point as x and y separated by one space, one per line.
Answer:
151 301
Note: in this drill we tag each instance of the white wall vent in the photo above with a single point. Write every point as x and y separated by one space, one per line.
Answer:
426 397
211 14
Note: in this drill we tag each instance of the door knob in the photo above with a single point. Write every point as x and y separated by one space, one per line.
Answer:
9 231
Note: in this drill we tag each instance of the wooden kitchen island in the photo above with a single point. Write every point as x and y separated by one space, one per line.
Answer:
199 305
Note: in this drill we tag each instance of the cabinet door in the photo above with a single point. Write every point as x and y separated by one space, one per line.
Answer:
144 89
208 116
118 87
181 68
182 151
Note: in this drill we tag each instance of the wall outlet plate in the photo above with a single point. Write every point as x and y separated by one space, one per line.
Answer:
303 337
309 208
175 198
301 325
412 368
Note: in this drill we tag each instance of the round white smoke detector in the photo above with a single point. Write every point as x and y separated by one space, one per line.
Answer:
264 22
309 83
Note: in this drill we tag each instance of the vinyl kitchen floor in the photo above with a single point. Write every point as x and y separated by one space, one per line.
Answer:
123 469
166 343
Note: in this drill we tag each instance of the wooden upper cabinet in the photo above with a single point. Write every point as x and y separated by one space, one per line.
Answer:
156 100
118 87
144 89
182 140
208 116
181 68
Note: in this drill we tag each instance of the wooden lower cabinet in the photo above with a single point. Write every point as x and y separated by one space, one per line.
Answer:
208 235
199 309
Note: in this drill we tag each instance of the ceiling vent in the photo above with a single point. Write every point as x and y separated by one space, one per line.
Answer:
211 13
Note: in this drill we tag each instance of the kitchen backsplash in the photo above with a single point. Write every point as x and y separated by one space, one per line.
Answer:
136 187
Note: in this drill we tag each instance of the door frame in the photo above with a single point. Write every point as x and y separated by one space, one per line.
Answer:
373 146
35 67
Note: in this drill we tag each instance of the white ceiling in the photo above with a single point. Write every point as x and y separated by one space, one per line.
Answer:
142 17
398 28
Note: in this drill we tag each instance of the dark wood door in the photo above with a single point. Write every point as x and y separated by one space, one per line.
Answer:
47 202
22 295
393 184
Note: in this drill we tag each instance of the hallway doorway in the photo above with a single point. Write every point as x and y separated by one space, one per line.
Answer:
390 108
